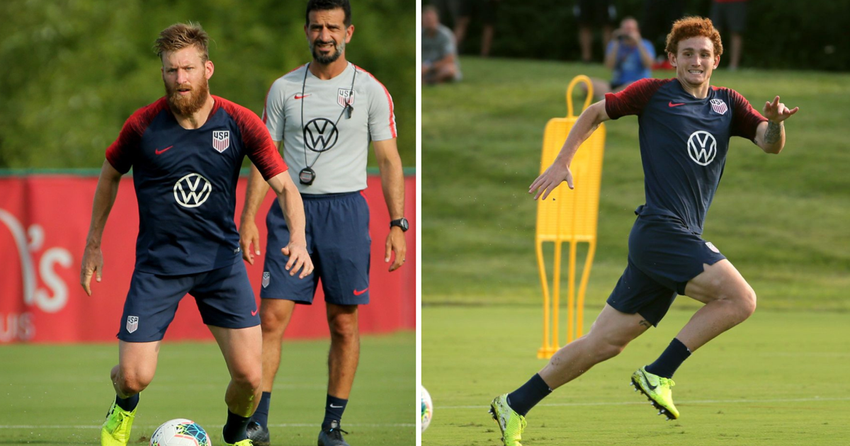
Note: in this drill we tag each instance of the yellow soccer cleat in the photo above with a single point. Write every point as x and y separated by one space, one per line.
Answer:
510 423
116 429
245 442
659 391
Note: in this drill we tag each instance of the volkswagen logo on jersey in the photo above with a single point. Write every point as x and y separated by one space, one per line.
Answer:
320 134
702 147
221 140
344 96
192 190
718 106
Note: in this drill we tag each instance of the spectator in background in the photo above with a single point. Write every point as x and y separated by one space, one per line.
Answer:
658 18
731 16
593 13
628 56
486 9
439 52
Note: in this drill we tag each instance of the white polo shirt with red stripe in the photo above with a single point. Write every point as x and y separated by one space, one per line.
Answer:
311 117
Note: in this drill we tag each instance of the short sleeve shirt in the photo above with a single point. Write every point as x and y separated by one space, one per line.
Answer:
629 66
185 181
683 142
310 116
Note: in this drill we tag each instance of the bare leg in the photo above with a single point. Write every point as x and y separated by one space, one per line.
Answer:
608 336
136 367
585 39
275 315
242 350
729 300
460 30
345 349
486 40
737 43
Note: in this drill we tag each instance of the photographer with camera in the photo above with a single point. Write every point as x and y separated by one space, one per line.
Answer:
628 56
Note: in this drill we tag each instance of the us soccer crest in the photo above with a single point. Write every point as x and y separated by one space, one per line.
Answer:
221 140
345 96
718 106
132 323
266 278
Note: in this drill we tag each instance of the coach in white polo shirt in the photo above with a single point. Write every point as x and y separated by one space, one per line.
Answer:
325 114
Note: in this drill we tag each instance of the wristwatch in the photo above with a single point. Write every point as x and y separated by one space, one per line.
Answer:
401 223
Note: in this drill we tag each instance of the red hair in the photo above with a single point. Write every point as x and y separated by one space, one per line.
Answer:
688 27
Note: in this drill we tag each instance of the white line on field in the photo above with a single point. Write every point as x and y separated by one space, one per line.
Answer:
629 403
97 426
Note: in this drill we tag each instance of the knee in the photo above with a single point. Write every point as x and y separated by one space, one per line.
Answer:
131 382
343 328
274 322
607 347
248 379
746 300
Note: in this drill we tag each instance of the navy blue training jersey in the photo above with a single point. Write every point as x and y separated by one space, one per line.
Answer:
683 142
185 183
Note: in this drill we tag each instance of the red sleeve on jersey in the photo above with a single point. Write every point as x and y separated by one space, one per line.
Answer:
255 136
745 119
122 152
633 99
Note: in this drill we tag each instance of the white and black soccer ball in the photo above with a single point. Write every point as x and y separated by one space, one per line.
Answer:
427 408
180 432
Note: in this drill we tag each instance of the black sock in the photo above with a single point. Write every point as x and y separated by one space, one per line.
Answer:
261 415
234 429
523 399
334 407
127 404
674 355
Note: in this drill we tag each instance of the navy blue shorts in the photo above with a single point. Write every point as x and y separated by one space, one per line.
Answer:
224 298
338 242
663 257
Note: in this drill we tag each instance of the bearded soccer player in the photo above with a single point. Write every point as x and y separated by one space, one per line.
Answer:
324 115
685 127
186 150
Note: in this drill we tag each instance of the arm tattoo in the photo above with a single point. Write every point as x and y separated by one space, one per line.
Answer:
773 132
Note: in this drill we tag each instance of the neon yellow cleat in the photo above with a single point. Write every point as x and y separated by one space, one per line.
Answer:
245 442
116 429
510 423
659 391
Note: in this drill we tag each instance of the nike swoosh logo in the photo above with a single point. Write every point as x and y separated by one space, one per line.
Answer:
160 152
301 96
335 407
646 378
672 104
357 293
254 313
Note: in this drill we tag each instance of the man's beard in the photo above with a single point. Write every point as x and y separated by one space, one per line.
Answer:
187 105
326 59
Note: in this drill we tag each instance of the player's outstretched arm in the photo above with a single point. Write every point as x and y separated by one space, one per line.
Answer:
293 211
249 236
392 184
559 171
770 135
104 198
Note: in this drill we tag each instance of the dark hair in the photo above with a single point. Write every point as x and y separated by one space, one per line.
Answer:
326 5
183 35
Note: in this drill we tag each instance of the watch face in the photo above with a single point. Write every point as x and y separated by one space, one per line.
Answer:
401 223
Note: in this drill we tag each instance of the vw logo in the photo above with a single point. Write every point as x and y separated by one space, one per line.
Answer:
702 147
192 190
320 134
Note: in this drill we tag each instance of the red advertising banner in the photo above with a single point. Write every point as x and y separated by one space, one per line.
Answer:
44 220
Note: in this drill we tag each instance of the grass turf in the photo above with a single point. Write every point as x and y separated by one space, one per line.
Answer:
59 394
779 378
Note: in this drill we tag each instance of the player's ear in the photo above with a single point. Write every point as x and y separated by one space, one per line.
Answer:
209 69
716 62
348 33
671 57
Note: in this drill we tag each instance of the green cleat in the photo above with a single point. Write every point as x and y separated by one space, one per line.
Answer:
510 423
659 391
116 429
245 442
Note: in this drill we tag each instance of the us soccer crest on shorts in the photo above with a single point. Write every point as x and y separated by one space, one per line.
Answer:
132 323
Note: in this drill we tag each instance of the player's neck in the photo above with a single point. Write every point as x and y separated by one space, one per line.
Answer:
329 71
699 91
198 119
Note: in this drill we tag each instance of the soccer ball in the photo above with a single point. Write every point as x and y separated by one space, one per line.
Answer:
427 409
180 432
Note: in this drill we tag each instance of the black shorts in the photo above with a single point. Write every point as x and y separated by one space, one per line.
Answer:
595 12
663 257
731 16
485 9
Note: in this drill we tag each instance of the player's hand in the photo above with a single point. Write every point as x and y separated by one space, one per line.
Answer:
777 111
550 179
299 259
395 243
92 265
249 236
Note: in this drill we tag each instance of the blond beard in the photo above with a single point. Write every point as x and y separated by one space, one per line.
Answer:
187 106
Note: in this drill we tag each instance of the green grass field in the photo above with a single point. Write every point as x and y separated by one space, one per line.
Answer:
59 394
778 379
